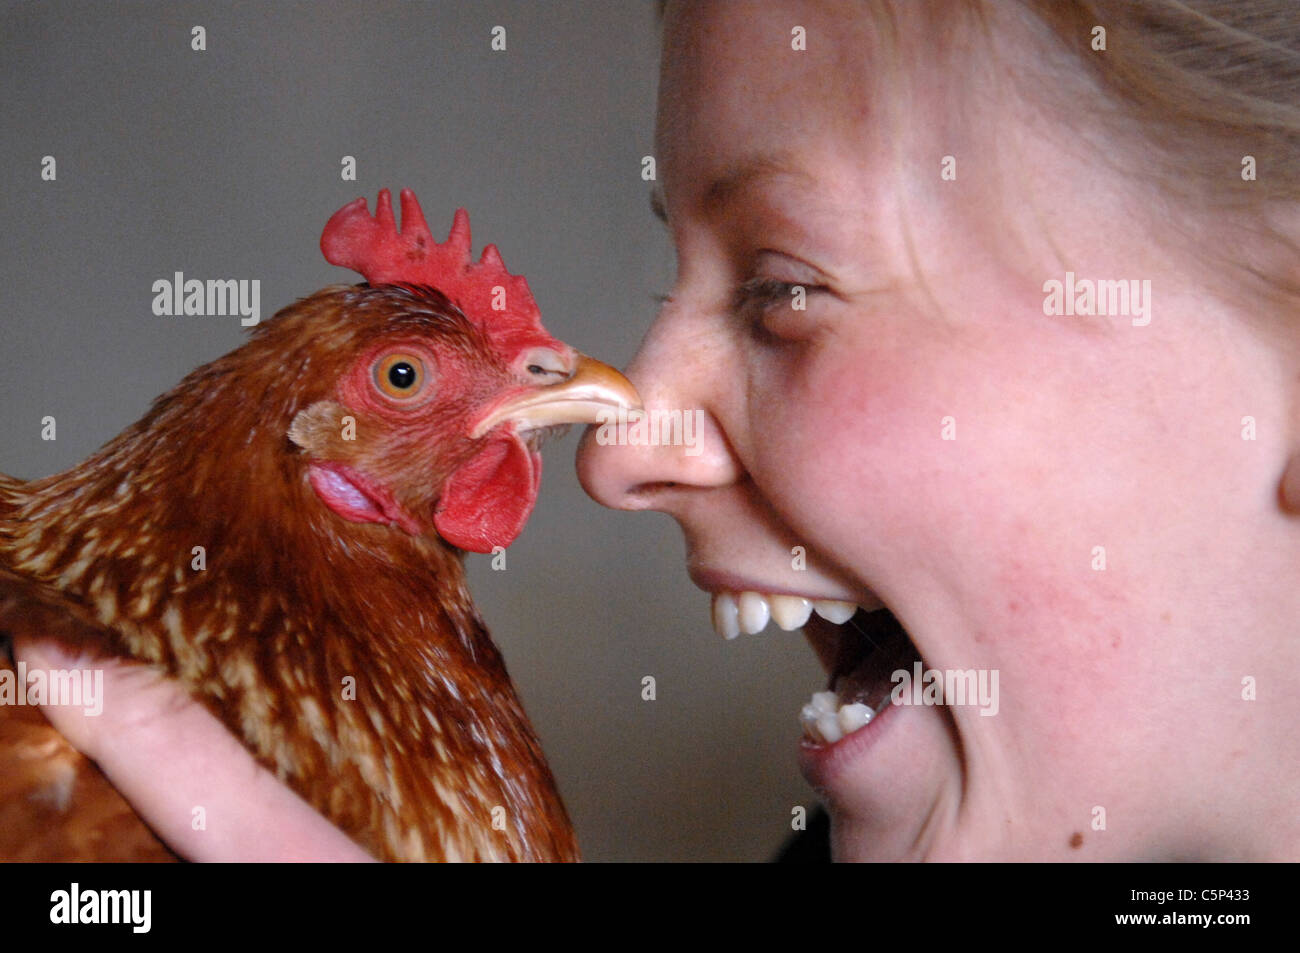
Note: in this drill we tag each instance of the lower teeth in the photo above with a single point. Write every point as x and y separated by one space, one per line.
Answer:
825 721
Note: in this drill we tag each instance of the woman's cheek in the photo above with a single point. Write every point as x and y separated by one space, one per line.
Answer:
852 441
862 455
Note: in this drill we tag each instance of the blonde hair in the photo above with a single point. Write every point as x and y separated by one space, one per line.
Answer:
1210 90
1205 79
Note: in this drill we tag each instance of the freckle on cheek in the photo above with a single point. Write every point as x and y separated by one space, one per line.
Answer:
1076 841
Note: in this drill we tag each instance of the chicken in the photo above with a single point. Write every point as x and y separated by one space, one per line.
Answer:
284 532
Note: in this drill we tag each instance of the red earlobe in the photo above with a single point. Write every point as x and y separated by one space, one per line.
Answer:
354 499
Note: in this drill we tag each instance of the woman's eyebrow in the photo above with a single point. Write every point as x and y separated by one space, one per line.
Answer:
744 174
734 180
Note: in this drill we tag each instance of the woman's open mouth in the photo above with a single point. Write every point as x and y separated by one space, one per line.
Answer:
860 649
867 650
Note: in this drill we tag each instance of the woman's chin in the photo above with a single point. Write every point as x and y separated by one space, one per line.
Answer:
891 787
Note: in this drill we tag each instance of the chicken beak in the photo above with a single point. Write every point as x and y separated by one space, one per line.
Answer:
593 394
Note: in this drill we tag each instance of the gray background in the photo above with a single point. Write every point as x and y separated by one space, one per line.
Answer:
225 163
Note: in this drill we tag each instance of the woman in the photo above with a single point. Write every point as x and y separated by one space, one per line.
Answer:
1006 294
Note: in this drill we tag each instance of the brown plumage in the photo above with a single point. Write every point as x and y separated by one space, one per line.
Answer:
309 590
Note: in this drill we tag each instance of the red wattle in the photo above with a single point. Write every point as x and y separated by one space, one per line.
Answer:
488 500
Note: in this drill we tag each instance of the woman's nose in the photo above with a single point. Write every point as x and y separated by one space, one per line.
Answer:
678 445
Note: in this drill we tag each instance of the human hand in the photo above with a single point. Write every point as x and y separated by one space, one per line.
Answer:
165 753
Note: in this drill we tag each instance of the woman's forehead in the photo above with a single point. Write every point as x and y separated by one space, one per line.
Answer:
861 104
738 105
733 61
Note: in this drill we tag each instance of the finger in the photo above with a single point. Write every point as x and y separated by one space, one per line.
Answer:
191 780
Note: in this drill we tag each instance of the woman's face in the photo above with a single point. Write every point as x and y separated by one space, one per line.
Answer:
1063 504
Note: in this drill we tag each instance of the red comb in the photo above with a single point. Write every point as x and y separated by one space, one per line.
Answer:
383 255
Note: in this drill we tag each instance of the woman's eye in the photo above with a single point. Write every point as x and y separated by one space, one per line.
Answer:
400 375
762 295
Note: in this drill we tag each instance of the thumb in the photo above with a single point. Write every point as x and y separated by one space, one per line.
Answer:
116 695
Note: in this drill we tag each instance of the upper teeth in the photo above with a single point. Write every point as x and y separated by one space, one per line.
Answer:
749 612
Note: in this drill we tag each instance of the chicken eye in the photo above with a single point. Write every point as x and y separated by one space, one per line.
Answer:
399 375
402 376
